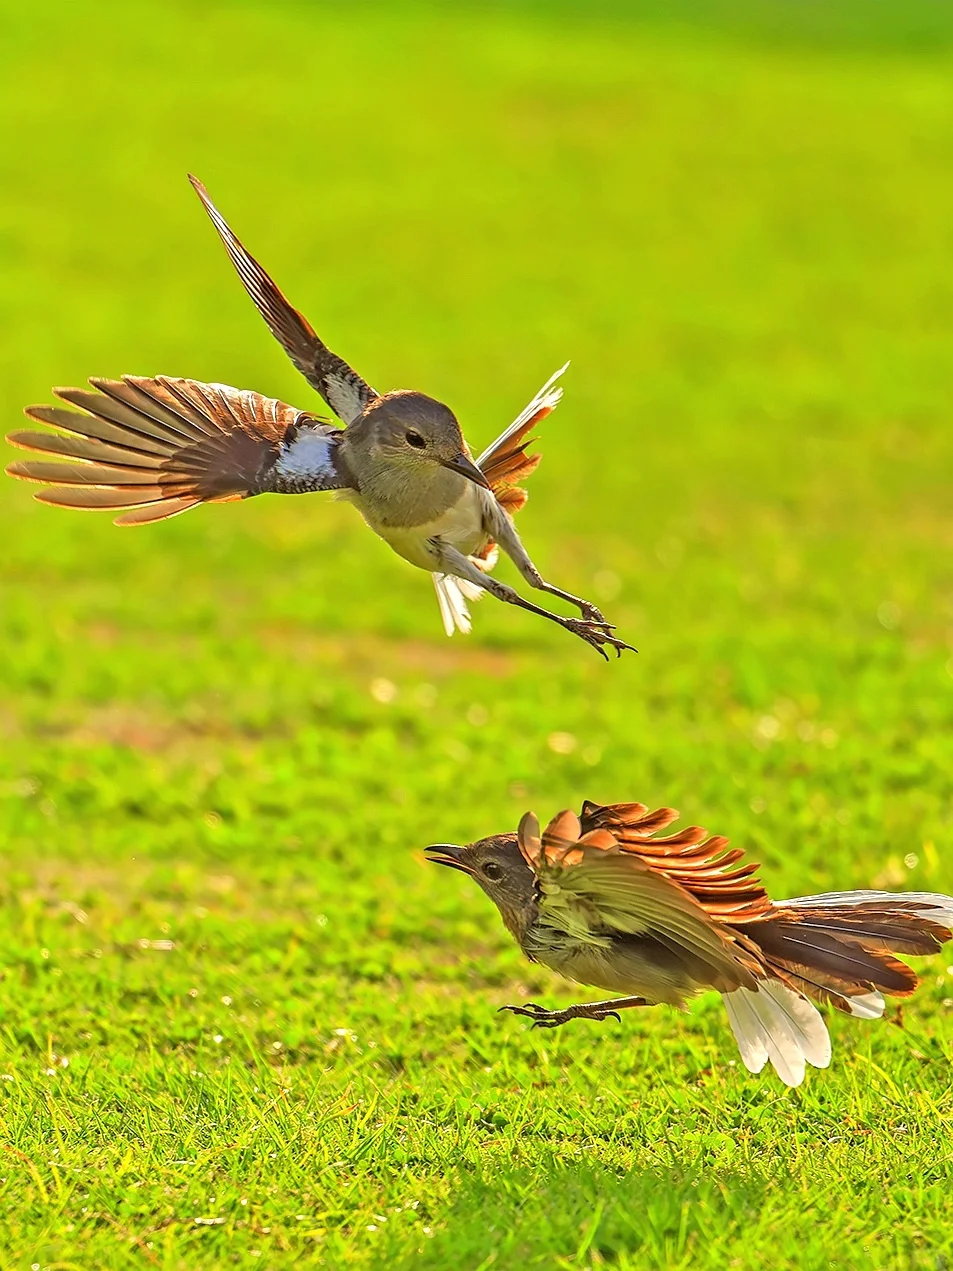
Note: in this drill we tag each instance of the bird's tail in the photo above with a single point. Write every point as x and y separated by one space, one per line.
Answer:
152 448
838 949
775 1022
452 596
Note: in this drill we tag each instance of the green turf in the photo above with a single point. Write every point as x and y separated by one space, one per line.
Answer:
241 1021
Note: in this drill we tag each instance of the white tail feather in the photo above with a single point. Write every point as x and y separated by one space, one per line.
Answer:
867 1005
941 906
747 1030
470 590
452 596
773 1022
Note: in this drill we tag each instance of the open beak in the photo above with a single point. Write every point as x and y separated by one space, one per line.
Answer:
467 468
447 854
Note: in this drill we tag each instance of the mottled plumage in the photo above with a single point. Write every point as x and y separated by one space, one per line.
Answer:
605 899
152 448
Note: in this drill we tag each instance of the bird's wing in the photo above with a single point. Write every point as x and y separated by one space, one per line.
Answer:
701 864
151 448
505 462
589 886
339 384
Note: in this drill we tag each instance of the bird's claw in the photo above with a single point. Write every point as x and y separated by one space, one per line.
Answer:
543 1018
597 634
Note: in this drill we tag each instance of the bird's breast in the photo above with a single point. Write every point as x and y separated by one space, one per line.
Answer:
460 523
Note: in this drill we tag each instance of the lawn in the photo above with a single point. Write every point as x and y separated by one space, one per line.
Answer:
242 1021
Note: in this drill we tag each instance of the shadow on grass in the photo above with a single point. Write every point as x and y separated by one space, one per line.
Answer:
584 1215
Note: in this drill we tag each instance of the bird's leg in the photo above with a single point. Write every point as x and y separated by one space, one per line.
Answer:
542 1018
511 543
449 560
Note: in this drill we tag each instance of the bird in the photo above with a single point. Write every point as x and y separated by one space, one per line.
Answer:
605 899
152 448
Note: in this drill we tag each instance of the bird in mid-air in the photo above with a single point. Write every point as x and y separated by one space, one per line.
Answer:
150 448
605 899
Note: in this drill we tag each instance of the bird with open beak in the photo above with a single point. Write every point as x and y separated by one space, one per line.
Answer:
605 899
152 448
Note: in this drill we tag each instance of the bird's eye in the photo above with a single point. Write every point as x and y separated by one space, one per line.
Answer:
492 871
415 439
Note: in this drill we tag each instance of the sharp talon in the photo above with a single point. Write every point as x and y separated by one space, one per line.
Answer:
528 1009
614 1015
599 634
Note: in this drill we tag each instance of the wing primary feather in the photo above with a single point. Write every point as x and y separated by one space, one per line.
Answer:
75 447
544 398
504 462
176 443
337 382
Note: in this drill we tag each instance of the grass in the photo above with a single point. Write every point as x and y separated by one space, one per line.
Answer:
241 1022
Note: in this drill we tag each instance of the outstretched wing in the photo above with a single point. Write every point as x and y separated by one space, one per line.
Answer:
339 384
589 887
505 463
152 448
699 863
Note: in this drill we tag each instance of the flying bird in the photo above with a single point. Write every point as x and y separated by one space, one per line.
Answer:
606 900
150 448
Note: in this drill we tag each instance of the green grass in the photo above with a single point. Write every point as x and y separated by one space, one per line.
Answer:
739 229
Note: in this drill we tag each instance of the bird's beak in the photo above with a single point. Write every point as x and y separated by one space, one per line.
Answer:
447 854
467 468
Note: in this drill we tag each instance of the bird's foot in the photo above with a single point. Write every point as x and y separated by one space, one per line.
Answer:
598 634
591 613
543 1018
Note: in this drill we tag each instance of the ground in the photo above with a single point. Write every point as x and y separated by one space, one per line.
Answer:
240 1017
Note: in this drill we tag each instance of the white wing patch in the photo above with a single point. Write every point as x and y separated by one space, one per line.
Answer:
546 397
345 397
307 463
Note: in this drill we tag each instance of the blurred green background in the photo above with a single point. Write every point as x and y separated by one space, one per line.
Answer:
240 1018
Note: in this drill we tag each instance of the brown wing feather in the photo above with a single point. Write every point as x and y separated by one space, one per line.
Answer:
337 382
510 465
696 861
505 462
156 447
831 952
506 472
619 890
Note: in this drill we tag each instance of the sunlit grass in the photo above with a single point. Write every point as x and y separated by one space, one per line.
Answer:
241 1018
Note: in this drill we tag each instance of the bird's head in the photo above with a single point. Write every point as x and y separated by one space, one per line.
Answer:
417 432
497 865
